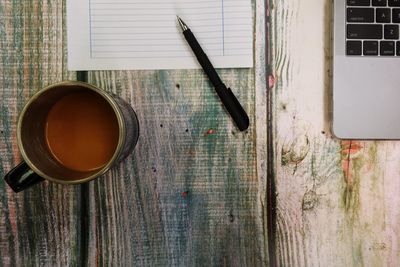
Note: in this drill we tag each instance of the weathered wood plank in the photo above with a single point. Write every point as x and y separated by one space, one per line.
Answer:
189 194
337 201
38 227
261 62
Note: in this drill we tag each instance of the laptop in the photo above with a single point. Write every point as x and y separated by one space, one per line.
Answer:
366 69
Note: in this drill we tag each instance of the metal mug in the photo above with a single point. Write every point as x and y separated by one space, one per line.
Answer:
39 164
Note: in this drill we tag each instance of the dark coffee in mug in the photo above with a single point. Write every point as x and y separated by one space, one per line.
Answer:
82 131
71 133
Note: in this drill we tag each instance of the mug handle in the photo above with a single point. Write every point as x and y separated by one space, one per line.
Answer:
22 177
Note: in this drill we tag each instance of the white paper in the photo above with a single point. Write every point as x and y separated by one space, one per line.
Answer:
145 34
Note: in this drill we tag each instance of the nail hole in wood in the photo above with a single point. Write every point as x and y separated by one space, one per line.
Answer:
231 217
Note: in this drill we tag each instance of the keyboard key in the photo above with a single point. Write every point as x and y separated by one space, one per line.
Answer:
379 2
364 31
394 2
396 15
360 15
358 2
353 48
398 48
370 48
391 32
383 15
387 48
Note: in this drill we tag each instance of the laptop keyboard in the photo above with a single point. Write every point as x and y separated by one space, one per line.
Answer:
372 28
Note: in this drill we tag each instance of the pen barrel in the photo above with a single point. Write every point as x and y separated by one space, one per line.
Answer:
227 97
233 107
202 58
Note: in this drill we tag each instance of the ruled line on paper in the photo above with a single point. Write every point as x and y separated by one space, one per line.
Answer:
155 28
223 28
151 28
120 31
90 29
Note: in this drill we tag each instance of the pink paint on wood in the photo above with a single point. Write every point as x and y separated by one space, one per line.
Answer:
349 150
271 81
211 131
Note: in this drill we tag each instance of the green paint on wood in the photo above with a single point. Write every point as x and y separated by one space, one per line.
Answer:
177 153
351 193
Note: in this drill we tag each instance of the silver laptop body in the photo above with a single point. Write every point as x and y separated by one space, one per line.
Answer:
366 87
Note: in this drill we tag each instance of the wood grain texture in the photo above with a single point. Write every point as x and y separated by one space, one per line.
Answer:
337 201
37 227
261 72
190 194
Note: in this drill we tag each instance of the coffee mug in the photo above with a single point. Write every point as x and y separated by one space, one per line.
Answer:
70 133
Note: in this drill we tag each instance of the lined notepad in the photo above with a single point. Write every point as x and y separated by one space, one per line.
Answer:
140 34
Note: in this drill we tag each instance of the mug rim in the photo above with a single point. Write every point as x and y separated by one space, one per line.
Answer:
117 112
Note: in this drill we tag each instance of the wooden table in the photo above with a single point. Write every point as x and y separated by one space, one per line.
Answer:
196 192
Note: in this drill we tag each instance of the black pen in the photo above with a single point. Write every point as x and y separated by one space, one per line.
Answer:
227 97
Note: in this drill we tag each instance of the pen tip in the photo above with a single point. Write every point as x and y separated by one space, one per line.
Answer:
182 24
